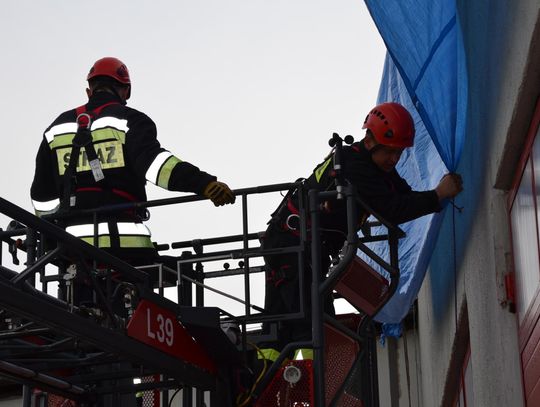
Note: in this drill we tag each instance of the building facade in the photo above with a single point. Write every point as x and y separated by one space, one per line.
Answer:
474 339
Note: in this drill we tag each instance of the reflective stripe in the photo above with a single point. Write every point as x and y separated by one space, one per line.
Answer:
87 230
303 354
46 206
103 128
109 121
133 229
268 354
125 241
153 171
110 154
103 241
131 235
60 129
136 241
320 171
108 134
166 171
124 228
62 140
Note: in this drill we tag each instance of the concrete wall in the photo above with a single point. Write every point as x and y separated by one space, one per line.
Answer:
502 63
399 371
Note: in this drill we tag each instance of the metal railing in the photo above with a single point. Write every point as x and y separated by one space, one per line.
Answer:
190 272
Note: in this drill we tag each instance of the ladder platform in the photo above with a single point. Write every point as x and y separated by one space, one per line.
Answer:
69 354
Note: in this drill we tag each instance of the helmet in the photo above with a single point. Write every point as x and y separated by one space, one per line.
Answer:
391 124
111 67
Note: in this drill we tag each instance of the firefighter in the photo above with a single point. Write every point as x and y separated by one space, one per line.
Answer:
369 165
111 166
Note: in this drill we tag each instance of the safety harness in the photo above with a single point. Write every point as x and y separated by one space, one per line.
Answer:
82 139
113 233
287 214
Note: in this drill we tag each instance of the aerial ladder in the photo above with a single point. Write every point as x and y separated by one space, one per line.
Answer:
130 340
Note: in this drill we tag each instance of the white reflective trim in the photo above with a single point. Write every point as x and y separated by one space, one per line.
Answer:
124 228
46 206
88 229
153 171
119 124
63 128
138 229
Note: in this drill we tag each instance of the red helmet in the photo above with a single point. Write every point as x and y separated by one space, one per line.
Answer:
391 124
111 67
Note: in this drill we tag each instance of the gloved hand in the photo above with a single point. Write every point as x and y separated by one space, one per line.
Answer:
219 193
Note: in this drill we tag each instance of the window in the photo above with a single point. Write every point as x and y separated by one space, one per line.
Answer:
525 241
524 213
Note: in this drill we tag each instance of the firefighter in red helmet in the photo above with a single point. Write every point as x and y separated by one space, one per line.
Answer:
369 165
122 153
112 68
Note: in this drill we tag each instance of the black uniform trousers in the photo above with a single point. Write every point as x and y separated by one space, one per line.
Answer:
282 290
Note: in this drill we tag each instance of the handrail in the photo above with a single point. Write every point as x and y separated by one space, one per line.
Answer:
168 201
353 242
60 235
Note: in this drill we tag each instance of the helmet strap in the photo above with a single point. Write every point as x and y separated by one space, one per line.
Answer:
375 148
370 138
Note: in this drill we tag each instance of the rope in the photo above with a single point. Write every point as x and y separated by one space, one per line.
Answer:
416 353
454 262
454 253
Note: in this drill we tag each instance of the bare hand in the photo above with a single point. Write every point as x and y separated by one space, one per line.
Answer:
449 186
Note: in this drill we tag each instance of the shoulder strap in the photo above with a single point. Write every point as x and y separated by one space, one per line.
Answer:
283 206
83 138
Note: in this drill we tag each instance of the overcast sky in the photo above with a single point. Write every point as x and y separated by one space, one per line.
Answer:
248 90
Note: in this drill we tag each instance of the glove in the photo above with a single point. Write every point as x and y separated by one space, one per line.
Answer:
219 193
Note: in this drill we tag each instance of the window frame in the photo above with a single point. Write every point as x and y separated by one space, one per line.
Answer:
532 314
462 383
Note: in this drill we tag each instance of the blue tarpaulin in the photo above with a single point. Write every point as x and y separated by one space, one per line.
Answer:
425 71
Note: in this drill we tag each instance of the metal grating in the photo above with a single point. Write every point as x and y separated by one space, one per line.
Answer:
347 400
341 352
58 401
341 355
281 393
150 398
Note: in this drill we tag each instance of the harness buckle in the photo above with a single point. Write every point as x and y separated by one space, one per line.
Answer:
84 120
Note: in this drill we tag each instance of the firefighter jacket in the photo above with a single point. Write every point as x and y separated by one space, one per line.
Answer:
125 141
386 193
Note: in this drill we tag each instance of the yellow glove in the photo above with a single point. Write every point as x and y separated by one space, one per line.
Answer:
219 193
